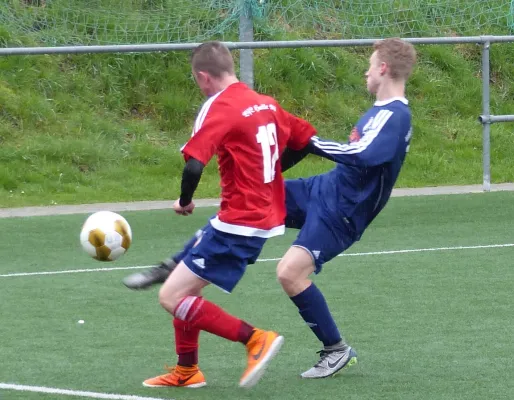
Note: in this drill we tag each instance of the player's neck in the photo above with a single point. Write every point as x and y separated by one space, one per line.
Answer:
389 90
224 83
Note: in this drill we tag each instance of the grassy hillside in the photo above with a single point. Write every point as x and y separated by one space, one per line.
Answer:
92 128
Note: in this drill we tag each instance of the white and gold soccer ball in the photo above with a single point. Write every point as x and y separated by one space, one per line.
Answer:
106 236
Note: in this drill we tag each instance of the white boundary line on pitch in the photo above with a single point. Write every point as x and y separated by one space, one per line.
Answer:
76 393
372 253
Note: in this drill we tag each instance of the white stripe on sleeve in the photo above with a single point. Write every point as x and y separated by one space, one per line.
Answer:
371 133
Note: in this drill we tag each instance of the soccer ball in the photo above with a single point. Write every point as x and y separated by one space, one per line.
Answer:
105 236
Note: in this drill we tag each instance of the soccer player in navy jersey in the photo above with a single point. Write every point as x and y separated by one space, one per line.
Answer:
333 210
248 132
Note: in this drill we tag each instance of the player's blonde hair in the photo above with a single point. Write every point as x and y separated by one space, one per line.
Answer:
399 55
214 58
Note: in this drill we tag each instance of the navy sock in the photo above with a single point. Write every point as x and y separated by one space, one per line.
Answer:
188 246
314 310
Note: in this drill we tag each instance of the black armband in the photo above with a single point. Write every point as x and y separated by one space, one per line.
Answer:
190 179
292 157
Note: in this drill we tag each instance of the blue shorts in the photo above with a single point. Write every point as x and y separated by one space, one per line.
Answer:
324 233
221 258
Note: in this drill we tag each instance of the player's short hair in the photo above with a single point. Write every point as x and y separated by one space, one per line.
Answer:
399 55
214 58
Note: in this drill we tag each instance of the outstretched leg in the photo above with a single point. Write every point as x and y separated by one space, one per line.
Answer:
159 274
293 274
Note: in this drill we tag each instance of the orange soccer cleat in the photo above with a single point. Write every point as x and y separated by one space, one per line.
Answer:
178 376
261 348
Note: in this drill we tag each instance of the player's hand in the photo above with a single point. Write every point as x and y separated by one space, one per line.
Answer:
183 210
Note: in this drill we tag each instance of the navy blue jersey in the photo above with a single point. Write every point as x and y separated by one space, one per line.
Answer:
368 165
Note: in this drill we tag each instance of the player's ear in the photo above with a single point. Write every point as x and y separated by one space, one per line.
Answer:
203 76
383 68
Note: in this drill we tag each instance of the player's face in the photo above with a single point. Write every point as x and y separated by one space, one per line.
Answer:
375 73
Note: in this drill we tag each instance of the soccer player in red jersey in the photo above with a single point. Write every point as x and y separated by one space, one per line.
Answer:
248 132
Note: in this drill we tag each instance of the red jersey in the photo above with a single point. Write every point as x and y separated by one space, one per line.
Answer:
248 132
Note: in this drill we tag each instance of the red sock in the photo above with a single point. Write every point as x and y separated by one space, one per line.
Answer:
186 343
206 316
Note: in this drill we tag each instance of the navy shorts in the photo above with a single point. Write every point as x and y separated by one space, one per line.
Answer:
221 258
324 233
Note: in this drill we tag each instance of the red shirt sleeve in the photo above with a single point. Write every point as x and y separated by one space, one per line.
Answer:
211 127
301 132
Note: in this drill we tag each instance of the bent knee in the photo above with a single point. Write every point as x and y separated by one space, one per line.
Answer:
286 273
168 301
292 279
294 269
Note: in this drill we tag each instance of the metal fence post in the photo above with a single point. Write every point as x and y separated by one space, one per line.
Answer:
486 124
246 35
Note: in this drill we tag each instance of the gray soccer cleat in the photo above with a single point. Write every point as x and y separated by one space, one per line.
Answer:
150 277
331 362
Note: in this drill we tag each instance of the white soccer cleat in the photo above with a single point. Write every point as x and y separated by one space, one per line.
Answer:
331 362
